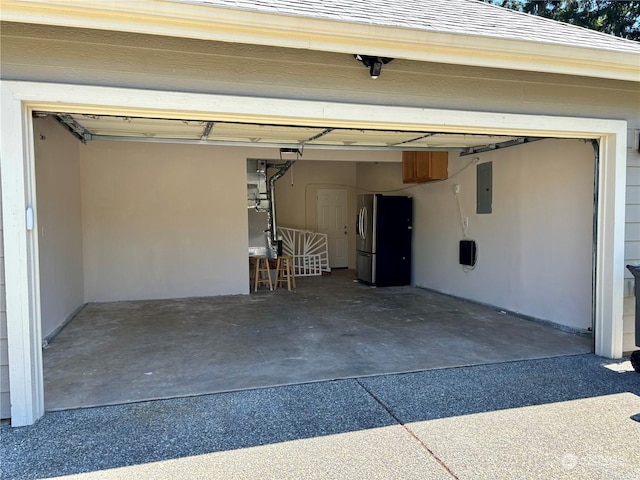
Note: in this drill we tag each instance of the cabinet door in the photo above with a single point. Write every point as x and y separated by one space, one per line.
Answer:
424 166
438 165
409 167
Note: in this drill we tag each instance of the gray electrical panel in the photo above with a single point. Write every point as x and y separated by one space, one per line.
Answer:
484 175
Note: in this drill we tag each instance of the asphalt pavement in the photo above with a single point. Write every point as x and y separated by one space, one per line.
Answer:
573 417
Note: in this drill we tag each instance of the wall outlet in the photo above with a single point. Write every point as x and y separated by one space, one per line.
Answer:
456 189
465 221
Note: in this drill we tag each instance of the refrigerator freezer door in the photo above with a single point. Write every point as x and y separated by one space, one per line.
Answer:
393 249
365 267
365 224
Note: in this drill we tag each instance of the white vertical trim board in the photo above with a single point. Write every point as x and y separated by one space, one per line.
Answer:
21 262
610 271
18 189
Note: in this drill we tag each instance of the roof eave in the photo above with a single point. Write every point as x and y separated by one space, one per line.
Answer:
169 18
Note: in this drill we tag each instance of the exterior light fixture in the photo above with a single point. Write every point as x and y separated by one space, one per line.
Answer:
374 64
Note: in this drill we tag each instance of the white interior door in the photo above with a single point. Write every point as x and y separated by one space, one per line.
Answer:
332 220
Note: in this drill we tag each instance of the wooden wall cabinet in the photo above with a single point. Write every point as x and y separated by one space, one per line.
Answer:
418 167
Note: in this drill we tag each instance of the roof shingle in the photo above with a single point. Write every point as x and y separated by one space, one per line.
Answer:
465 17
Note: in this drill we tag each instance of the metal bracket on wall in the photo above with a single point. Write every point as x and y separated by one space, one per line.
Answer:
207 130
496 146
74 127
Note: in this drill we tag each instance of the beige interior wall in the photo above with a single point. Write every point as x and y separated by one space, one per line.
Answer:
5 404
534 250
59 213
297 203
297 191
163 221
383 178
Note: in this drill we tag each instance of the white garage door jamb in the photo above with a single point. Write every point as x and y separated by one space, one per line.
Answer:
18 188
22 285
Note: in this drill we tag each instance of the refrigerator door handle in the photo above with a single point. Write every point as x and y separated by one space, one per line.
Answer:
364 222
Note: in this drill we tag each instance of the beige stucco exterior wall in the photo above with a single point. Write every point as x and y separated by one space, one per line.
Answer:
163 221
59 213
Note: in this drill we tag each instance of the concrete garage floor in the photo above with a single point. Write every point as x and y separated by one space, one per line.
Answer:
329 328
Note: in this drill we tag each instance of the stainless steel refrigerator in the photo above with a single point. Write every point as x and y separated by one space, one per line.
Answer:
383 239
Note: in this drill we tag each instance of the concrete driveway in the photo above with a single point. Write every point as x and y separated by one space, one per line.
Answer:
573 417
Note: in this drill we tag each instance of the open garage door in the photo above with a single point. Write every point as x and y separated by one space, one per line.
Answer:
428 271
139 216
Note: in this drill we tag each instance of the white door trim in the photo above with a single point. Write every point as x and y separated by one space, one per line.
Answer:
19 99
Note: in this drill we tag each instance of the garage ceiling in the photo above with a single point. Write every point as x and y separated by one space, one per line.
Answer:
121 128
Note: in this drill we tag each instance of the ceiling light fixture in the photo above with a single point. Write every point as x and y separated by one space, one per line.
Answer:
374 64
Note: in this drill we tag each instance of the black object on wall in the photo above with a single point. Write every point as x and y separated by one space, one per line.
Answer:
468 253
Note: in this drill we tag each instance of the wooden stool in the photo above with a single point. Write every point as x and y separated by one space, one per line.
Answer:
284 272
252 270
261 273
